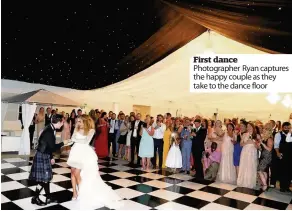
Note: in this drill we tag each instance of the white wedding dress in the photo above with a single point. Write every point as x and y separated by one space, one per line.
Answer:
227 171
93 192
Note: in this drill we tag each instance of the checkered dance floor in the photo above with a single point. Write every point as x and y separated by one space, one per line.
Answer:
158 189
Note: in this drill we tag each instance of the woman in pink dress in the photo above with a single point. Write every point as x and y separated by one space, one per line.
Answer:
101 141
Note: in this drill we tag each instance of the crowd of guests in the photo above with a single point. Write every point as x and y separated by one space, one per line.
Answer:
234 152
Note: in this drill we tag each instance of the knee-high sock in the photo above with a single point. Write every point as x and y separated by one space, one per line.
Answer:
47 189
38 189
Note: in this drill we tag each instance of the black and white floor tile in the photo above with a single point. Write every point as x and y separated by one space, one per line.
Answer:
156 189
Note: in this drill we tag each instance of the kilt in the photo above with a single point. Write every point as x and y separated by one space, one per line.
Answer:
41 169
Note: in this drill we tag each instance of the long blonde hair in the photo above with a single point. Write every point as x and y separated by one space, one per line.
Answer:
88 123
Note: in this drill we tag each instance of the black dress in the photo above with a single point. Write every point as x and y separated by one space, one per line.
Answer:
72 120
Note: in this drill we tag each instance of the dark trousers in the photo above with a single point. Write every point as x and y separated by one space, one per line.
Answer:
112 142
285 173
31 132
158 147
197 155
275 169
135 143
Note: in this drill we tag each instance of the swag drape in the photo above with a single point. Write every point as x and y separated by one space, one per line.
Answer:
261 24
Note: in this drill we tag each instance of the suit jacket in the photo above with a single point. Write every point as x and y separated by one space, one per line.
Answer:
33 122
48 119
138 130
47 141
198 141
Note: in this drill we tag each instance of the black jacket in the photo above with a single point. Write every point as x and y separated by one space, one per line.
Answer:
138 130
47 141
198 141
48 119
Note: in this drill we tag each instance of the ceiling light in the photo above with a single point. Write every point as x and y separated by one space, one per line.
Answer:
273 98
287 102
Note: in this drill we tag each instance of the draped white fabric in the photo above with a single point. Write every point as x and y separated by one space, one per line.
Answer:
27 116
4 107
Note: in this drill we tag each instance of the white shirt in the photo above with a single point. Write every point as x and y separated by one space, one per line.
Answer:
135 130
159 132
197 129
289 137
112 123
277 140
53 129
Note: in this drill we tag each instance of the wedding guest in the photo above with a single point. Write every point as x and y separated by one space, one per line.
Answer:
237 146
227 172
123 129
265 160
278 126
198 147
174 156
48 116
31 130
186 147
101 138
135 139
159 129
211 162
247 174
40 120
285 149
146 144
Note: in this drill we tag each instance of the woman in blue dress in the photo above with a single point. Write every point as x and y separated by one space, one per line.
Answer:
146 151
237 147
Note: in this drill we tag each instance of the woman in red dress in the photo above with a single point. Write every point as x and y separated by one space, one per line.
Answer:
101 141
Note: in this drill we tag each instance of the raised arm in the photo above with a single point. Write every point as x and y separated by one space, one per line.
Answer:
151 132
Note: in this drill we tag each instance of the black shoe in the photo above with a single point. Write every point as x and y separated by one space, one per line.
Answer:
282 190
188 172
181 171
37 201
50 200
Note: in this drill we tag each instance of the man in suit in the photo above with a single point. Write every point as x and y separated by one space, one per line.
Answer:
159 129
275 164
48 116
112 134
41 169
198 147
31 130
135 138
282 158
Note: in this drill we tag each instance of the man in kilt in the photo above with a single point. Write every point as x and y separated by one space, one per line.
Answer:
41 170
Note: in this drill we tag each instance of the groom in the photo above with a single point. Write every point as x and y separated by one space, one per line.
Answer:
41 169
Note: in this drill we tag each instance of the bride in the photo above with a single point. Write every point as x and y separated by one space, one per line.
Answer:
92 191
